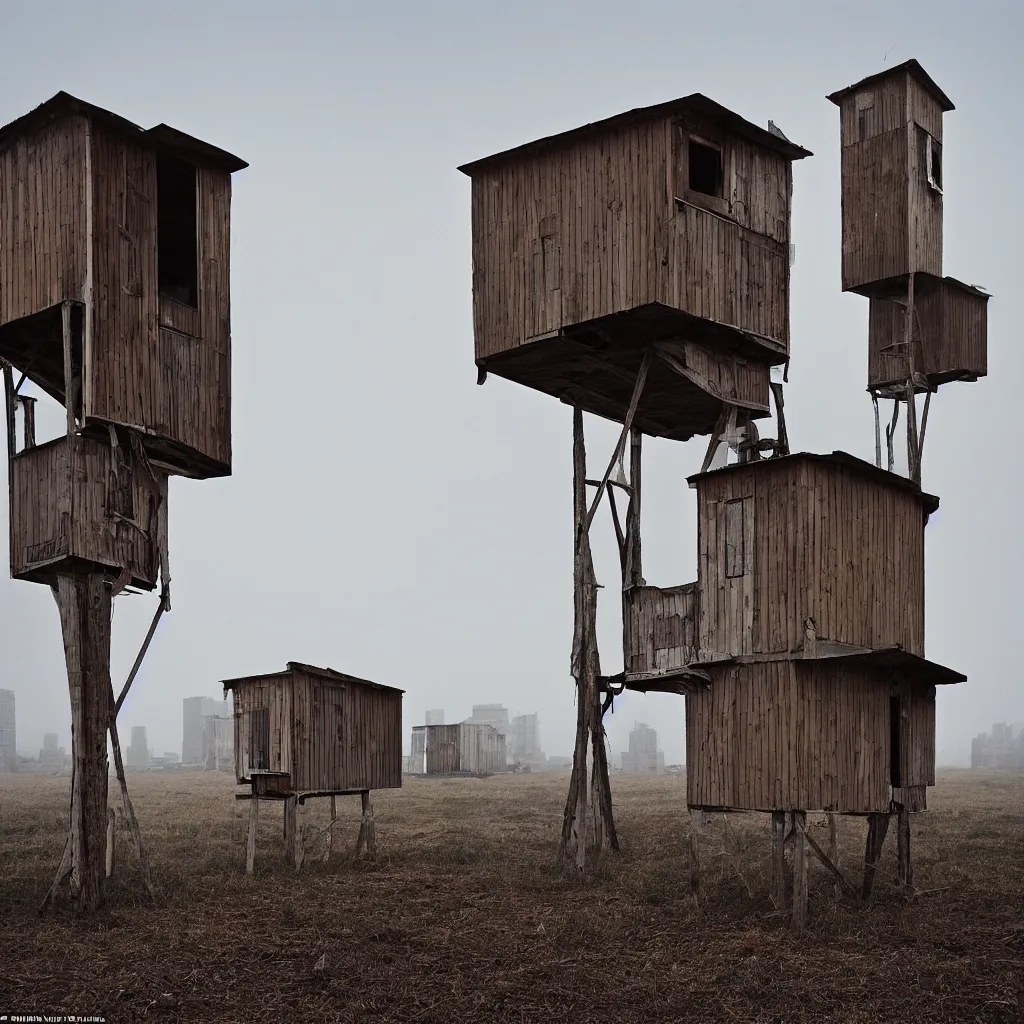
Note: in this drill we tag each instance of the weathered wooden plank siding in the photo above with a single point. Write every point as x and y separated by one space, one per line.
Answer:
119 383
950 334
592 228
43 219
346 736
274 694
62 505
875 212
892 218
819 541
662 628
156 364
787 735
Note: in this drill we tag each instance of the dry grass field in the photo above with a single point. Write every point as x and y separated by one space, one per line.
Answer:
464 918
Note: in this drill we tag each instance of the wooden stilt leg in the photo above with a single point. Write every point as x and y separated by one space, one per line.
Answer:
695 823
905 871
329 846
292 845
368 826
799 870
250 846
84 605
833 845
779 859
878 826
300 834
111 825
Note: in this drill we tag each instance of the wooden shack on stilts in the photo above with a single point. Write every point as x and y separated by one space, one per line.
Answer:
309 732
114 302
637 269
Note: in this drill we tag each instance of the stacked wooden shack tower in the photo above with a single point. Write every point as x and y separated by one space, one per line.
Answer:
115 301
638 268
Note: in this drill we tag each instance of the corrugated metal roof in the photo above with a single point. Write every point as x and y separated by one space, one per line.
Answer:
911 67
696 103
161 137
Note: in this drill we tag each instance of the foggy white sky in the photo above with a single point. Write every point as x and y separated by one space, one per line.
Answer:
386 516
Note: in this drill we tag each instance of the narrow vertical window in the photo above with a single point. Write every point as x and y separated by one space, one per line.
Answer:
259 739
706 173
933 162
177 231
734 540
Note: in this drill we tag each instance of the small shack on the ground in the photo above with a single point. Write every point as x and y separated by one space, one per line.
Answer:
465 748
309 732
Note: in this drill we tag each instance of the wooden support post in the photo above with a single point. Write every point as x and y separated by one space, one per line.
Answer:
779 895
329 848
126 800
111 835
696 816
84 604
367 838
250 846
833 845
904 868
878 826
799 870
878 431
291 839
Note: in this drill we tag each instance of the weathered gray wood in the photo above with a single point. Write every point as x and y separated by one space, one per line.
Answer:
291 838
9 407
833 844
842 885
878 826
779 859
250 845
111 836
904 867
84 604
638 387
367 838
126 800
572 845
161 608
878 431
800 870
696 818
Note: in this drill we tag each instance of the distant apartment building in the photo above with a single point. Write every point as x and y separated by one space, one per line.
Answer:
525 741
193 731
643 756
137 754
1003 747
8 733
52 756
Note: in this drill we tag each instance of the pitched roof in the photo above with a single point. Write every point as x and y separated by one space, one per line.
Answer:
310 670
695 103
865 469
162 136
911 67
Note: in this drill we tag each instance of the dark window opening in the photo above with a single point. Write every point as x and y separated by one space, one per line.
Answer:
705 169
895 747
933 162
177 231
259 739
